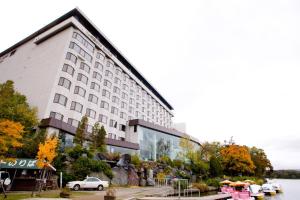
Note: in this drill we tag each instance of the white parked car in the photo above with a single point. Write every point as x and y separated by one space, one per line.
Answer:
88 183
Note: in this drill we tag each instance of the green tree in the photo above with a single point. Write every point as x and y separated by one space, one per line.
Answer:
261 161
80 135
14 106
30 144
187 152
215 167
98 138
209 149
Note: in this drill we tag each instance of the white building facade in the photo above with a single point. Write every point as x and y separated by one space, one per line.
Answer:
69 69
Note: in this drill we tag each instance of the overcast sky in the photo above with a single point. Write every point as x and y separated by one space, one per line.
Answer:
229 68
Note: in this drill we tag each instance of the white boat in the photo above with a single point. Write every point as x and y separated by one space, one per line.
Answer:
256 191
276 186
268 189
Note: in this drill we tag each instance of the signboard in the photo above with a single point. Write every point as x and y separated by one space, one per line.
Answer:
19 163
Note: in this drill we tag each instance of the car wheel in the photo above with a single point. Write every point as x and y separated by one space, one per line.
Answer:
100 187
76 187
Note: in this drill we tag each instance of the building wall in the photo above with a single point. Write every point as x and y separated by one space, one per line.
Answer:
33 69
38 68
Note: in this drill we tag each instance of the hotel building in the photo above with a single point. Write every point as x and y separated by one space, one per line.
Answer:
69 69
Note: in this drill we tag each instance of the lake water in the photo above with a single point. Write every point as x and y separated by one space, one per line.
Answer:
291 190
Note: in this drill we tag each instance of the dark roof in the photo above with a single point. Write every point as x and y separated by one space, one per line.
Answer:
52 122
100 36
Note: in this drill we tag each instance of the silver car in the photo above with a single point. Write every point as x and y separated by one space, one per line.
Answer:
88 183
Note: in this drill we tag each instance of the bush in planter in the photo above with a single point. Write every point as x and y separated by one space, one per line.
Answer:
65 193
110 194
201 186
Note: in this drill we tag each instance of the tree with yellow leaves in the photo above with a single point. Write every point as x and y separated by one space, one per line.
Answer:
237 160
47 151
11 134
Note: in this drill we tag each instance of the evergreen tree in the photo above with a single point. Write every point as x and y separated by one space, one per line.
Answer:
98 138
80 134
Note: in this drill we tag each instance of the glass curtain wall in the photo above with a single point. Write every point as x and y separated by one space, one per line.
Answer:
154 144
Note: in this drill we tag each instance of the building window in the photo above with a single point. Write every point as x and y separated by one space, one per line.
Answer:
116 90
131 92
79 50
125 87
123 105
123 115
130 109
114 110
113 123
76 106
56 115
83 41
108 74
93 99
118 71
137 105
99 66
64 82
80 91
97 76
91 113
122 127
131 101
60 99
102 119
117 81
125 77
109 63
100 56
137 114
106 93
107 83
69 69
82 78
137 97
73 122
95 86
104 105
143 109
71 57
115 99
124 95
85 67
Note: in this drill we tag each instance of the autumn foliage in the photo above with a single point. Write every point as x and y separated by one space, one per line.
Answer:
10 135
47 151
237 160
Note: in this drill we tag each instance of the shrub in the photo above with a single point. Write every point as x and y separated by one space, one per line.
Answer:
167 170
182 174
213 182
78 151
201 186
161 175
135 160
101 166
84 166
177 163
165 160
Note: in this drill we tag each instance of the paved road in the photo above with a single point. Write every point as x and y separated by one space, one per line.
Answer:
126 193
